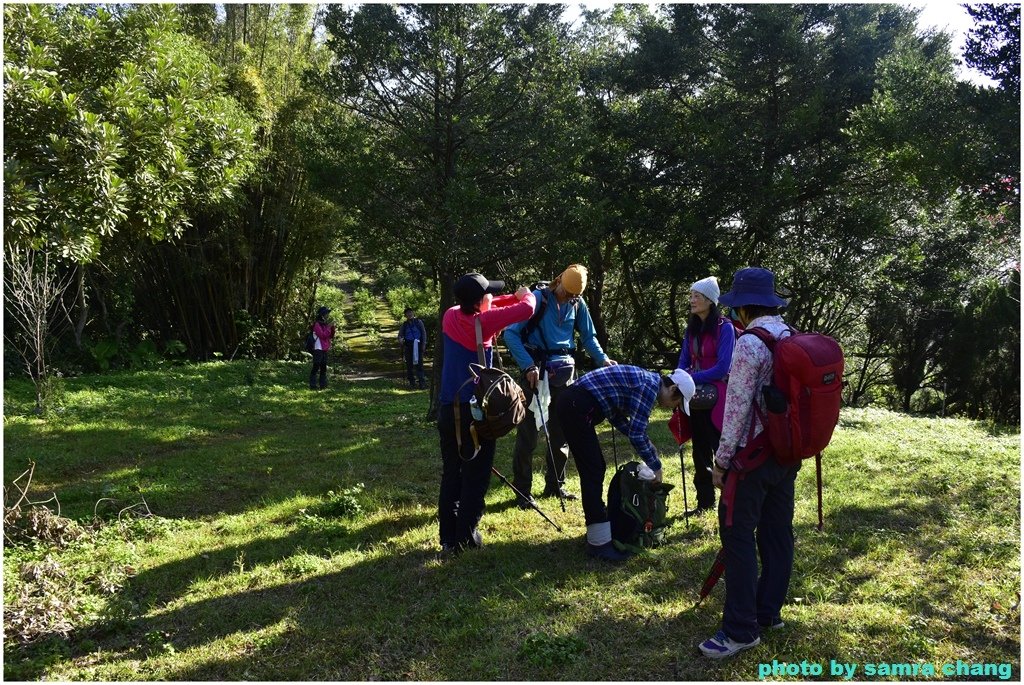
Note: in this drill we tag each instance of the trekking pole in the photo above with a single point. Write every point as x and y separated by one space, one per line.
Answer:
529 500
615 452
682 464
551 455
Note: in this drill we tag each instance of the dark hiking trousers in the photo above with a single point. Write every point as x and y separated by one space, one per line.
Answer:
580 414
409 347
705 443
463 483
762 527
527 438
319 366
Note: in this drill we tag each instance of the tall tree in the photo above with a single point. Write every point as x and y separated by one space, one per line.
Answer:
239 279
993 44
453 102
731 124
116 132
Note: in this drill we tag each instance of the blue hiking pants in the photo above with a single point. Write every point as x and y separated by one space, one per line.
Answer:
762 528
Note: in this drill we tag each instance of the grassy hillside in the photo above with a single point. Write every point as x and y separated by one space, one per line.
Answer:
294 537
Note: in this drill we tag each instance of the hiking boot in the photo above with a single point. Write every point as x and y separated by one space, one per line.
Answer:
525 503
721 646
607 552
700 510
559 492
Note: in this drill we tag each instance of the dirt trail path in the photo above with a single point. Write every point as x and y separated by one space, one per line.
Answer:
369 351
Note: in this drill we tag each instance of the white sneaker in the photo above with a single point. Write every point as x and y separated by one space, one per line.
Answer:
720 646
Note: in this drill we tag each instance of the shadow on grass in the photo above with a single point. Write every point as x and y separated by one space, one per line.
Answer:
375 619
165 583
203 440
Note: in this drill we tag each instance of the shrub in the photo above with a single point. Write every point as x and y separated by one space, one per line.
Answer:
344 504
423 300
365 305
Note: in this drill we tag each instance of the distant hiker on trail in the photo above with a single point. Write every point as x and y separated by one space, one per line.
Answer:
323 333
543 348
759 491
412 335
465 477
625 395
706 354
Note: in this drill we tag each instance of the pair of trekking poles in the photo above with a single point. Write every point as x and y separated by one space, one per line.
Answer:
551 458
561 476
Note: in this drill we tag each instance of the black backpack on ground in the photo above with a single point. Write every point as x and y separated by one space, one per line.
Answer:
637 510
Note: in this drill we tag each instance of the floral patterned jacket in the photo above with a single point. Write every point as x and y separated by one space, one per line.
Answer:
751 370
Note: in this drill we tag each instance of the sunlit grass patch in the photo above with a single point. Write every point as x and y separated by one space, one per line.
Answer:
268 560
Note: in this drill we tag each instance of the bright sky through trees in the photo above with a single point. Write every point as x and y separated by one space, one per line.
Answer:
943 15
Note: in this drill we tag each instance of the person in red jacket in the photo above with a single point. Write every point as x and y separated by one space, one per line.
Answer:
465 477
323 333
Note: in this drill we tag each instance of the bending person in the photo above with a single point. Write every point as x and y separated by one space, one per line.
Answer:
625 395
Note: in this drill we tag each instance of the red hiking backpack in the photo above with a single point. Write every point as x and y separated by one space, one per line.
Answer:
804 397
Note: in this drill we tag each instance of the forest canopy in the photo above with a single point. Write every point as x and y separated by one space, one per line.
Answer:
178 177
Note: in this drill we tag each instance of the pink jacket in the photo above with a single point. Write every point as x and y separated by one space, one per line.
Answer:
323 333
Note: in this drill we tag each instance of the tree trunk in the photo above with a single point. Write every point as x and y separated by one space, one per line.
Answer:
447 297
83 307
595 295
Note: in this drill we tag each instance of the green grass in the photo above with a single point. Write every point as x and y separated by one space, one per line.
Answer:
268 561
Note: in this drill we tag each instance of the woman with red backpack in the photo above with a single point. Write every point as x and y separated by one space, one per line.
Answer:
706 354
755 515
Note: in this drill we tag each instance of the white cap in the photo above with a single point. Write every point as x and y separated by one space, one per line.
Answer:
686 386
708 287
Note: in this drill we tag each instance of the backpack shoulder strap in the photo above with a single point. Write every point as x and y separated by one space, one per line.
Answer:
457 408
763 335
534 321
481 357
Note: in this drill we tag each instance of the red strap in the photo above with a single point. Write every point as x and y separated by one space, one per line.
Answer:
741 466
763 335
821 517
